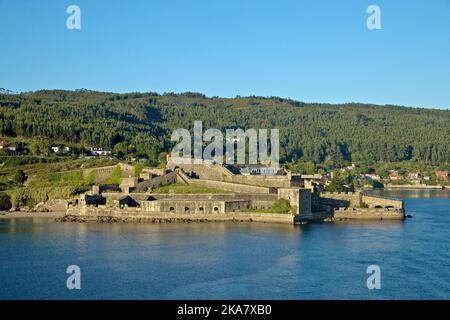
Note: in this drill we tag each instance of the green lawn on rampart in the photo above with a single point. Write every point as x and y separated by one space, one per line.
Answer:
182 188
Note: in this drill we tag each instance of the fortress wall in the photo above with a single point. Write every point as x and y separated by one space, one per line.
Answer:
213 196
261 199
305 202
104 173
300 199
238 205
191 207
204 171
220 173
154 171
272 197
193 196
373 202
233 187
262 205
133 215
368 214
157 182
183 177
101 174
112 195
263 181
342 199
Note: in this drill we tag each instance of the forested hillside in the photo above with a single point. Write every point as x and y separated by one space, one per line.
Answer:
143 122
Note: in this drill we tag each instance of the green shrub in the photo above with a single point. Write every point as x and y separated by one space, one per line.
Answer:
138 170
281 206
19 177
90 179
116 176
5 202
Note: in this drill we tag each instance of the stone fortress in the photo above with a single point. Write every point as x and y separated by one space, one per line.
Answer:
246 196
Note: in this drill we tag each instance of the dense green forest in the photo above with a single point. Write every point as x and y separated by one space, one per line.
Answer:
141 123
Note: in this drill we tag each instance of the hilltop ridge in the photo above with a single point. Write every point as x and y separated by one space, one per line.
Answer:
142 123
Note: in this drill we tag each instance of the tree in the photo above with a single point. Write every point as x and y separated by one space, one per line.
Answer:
19 177
40 146
335 134
5 202
121 150
337 183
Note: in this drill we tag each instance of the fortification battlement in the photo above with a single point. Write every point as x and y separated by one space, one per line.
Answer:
340 193
367 210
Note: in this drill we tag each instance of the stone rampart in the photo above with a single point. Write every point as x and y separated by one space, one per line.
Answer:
102 174
263 181
368 214
157 182
134 215
381 202
228 186
341 199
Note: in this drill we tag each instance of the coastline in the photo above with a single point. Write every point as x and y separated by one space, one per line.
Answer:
15 215
414 187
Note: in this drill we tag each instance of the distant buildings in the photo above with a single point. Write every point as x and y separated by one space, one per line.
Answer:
60 149
259 170
7 146
414 175
371 176
441 175
99 152
394 176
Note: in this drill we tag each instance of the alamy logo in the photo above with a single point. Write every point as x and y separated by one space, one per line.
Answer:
74 20
374 280
74 280
241 147
374 20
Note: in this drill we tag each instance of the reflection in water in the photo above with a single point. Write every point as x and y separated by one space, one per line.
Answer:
230 260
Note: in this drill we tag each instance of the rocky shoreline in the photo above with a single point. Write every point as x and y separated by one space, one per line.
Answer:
30 214
110 219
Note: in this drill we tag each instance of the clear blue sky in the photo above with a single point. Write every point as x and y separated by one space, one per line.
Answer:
306 50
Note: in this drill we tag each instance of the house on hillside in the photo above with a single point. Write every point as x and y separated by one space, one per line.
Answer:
260 169
3 144
60 149
441 175
414 175
372 176
394 176
99 152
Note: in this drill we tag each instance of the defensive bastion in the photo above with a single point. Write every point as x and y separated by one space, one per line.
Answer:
249 201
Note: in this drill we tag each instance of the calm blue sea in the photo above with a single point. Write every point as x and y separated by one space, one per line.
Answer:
230 260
